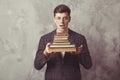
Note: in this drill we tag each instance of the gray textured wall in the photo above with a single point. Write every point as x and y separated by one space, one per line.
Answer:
22 22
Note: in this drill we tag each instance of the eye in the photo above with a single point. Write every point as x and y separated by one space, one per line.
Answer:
58 18
65 18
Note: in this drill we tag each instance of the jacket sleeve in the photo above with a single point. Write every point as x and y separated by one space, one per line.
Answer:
40 59
85 58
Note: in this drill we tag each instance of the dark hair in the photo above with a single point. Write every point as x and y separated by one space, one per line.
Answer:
62 8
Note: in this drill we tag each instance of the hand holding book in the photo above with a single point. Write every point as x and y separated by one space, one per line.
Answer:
61 44
47 52
79 49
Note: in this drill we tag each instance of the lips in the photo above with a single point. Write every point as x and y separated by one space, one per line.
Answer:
62 25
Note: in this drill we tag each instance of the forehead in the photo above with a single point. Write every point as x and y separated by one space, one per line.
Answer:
64 14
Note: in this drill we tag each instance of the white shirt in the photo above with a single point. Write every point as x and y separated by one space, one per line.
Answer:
63 53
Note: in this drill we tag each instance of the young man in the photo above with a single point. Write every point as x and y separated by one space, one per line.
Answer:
59 68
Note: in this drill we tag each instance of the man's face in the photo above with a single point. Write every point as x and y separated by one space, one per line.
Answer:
61 20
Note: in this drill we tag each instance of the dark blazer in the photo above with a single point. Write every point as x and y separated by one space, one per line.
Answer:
66 68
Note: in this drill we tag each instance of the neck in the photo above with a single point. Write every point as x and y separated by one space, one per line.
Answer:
62 32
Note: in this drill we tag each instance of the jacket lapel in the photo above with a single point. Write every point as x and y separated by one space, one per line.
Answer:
71 36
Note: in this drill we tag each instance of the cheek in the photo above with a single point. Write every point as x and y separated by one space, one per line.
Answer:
66 22
56 22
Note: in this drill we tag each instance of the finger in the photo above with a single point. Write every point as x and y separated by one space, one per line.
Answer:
48 44
80 47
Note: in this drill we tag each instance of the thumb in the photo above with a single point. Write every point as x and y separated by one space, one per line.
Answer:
80 47
48 44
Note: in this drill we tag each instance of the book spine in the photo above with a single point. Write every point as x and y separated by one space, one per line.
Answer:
62 49
60 36
62 43
62 46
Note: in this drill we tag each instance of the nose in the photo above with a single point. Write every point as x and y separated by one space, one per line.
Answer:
62 20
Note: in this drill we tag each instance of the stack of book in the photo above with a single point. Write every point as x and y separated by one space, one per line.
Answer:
62 44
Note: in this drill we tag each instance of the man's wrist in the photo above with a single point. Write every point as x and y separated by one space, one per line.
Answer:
46 54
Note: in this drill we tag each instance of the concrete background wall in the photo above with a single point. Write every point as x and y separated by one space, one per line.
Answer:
22 22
